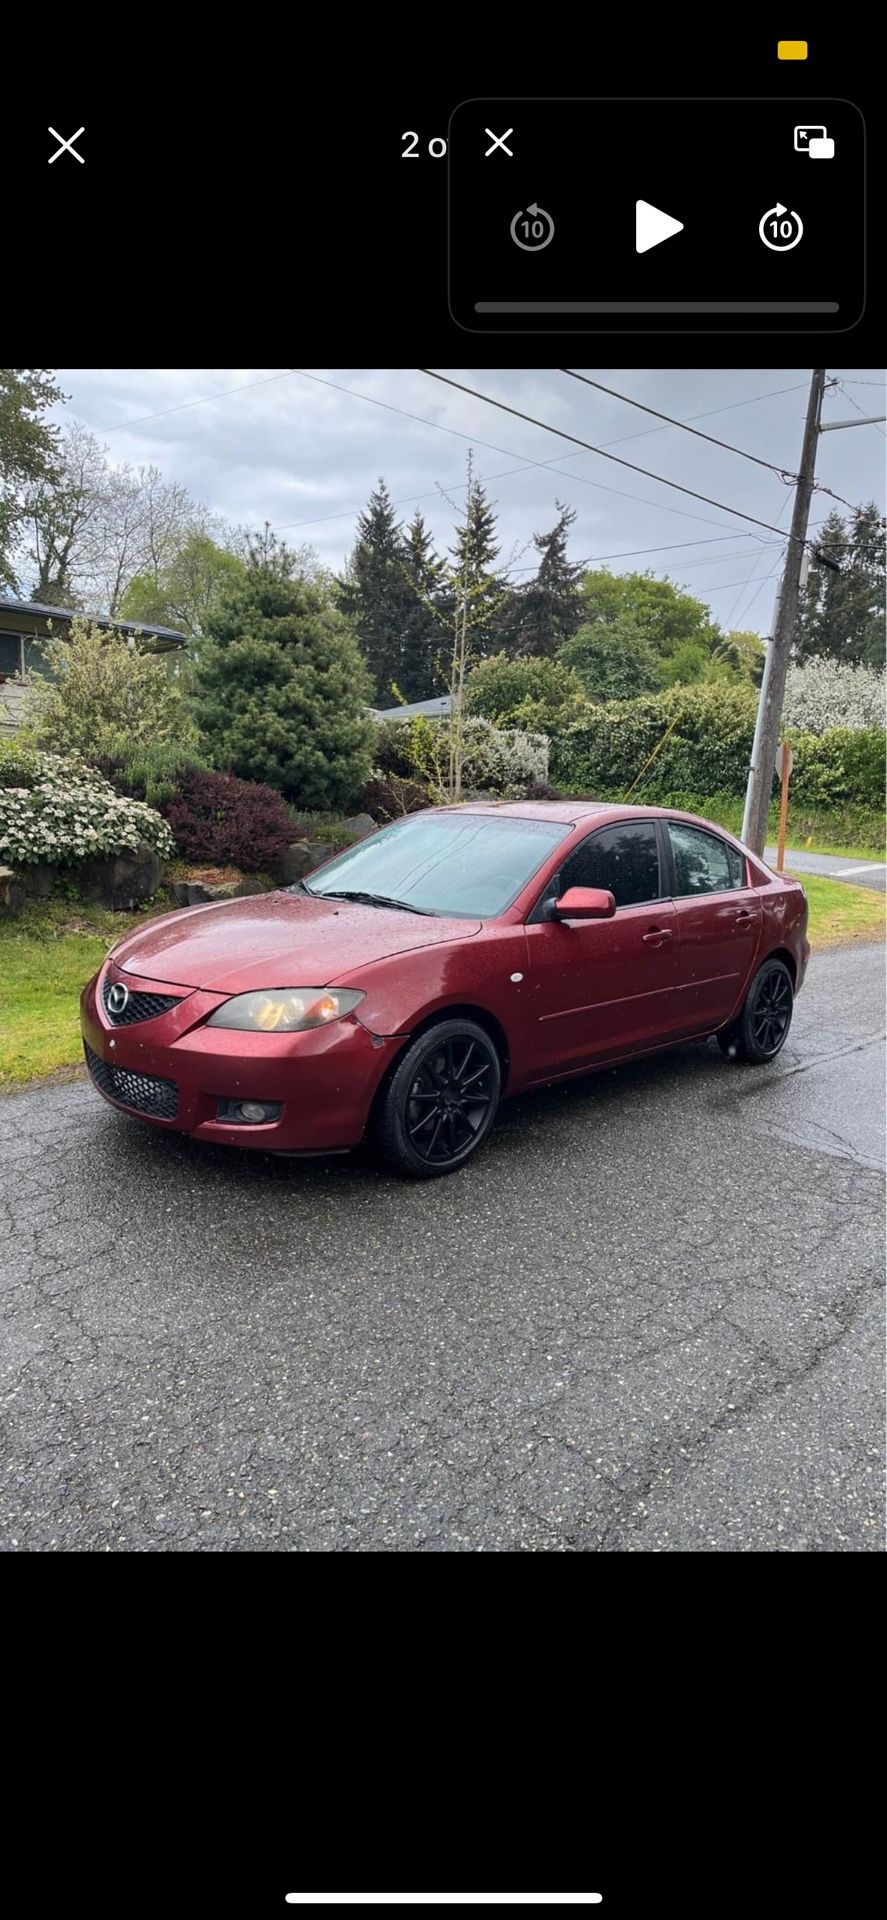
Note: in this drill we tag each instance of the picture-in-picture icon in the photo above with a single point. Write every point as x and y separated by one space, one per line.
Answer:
815 141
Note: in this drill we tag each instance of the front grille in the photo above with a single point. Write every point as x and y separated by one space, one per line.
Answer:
137 1090
139 1006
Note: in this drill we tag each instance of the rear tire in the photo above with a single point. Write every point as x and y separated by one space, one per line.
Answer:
440 1102
761 1031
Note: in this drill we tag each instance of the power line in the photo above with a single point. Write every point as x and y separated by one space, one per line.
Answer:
724 584
205 401
855 403
782 511
547 465
819 488
282 526
550 466
589 448
708 560
783 472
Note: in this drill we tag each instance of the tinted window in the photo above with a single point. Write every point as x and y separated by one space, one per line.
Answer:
470 863
702 863
624 859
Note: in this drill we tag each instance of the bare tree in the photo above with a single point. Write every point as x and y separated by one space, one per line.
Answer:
95 527
142 524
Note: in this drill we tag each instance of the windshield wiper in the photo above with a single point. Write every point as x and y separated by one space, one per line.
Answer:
372 900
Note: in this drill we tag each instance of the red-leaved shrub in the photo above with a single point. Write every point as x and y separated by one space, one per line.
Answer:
228 822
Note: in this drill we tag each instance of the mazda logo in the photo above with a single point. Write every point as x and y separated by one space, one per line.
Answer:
118 998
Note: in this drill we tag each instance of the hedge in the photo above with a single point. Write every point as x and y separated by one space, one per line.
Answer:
708 751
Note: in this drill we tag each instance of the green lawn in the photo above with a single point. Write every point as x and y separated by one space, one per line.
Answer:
841 915
49 952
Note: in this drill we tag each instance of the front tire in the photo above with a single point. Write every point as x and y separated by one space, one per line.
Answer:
761 1031
441 1100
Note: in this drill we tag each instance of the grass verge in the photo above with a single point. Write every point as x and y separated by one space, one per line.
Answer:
841 916
47 954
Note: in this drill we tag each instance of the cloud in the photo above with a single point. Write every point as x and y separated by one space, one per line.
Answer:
304 456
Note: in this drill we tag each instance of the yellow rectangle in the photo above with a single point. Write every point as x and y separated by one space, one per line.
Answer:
792 49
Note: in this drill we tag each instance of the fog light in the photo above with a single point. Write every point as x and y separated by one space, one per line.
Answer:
249 1113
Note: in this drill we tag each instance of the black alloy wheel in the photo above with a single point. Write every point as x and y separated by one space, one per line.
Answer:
761 1030
441 1100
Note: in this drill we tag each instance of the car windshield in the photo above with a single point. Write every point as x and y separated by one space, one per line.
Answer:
470 865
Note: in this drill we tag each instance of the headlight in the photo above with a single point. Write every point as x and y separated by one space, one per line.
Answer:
286 1009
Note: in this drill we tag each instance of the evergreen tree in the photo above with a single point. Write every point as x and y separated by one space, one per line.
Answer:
28 452
548 610
841 610
425 642
281 688
481 587
378 596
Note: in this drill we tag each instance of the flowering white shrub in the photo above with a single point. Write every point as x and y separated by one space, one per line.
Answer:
68 812
825 693
504 759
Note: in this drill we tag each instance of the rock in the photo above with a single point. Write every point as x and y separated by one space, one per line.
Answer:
12 890
318 853
360 825
199 893
39 881
190 893
295 862
121 880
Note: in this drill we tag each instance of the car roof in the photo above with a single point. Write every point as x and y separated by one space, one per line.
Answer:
563 812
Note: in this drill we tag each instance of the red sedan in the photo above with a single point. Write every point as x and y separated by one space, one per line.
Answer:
452 958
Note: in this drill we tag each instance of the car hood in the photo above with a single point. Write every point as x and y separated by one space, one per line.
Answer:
276 940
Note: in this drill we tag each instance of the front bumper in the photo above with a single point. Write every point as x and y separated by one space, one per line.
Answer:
325 1080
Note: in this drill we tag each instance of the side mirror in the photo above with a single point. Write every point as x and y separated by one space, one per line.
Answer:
585 903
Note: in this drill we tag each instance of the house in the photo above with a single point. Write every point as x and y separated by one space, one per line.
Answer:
437 709
23 622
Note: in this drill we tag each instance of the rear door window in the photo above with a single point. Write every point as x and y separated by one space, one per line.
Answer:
702 862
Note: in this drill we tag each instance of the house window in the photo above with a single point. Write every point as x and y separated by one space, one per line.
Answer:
35 659
10 654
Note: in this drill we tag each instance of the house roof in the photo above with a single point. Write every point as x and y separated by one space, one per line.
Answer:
432 709
36 608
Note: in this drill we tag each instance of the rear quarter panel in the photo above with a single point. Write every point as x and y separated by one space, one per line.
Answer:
784 909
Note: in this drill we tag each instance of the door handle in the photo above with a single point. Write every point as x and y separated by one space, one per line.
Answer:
742 916
657 936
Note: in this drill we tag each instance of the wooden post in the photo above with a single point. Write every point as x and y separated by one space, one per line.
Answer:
785 767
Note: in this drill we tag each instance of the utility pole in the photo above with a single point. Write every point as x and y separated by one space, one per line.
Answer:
766 740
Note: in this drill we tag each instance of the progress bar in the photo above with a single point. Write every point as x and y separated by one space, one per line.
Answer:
444 1899
656 306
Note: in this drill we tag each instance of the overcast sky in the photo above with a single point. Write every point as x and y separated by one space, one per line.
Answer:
304 455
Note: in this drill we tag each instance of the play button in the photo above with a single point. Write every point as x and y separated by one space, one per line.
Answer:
652 226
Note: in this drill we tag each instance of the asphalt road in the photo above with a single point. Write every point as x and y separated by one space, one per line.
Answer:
648 1318
834 866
